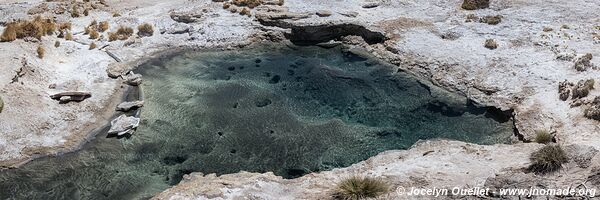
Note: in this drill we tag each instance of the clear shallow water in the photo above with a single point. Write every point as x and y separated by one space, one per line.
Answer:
290 111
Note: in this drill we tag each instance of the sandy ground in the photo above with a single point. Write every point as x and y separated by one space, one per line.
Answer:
431 39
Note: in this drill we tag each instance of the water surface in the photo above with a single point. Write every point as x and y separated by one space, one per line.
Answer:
267 108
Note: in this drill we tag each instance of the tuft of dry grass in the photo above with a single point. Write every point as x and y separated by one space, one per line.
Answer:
145 30
116 15
355 188
245 11
94 34
65 26
57 44
86 12
547 159
75 12
226 5
490 44
69 36
112 37
543 137
92 45
41 51
36 28
281 2
10 33
103 26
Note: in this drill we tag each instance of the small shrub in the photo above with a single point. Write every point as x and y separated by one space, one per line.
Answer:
41 51
86 30
226 5
112 37
355 188
145 30
490 44
245 11
57 44
69 36
116 15
547 159
10 33
543 137
92 45
86 12
65 26
93 23
281 2
124 32
103 26
75 12
94 34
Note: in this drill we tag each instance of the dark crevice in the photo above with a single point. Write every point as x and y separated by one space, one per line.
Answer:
311 35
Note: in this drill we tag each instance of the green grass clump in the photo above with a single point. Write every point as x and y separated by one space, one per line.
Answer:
355 187
547 159
543 137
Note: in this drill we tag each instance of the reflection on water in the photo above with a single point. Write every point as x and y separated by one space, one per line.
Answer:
290 111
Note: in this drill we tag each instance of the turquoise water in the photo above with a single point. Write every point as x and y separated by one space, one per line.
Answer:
265 108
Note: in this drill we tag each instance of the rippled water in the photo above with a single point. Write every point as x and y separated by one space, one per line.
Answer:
265 108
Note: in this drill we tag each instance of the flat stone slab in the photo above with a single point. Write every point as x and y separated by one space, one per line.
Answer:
132 105
123 125
65 97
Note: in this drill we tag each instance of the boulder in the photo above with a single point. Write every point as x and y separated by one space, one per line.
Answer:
123 125
475 4
564 90
133 79
593 112
132 105
66 97
582 89
323 13
584 62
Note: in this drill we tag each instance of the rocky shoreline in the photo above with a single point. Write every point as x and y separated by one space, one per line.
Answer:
538 45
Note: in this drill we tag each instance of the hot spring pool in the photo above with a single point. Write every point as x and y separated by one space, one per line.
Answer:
266 108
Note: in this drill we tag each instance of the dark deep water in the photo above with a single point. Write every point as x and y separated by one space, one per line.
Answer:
266 108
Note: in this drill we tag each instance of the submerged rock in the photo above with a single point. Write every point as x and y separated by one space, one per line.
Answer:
132 105
123 125
66 97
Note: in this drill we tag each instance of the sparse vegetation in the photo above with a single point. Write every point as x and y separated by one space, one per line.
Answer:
226 5
281 2
548 29
491 44
69 36
543 137
41 51
122 33
547 159
145 30
94 34
355 187
103 26
116 15
86 12
10 33
491 19
75 12
112 37
36 28
245 11
57 44
92 45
